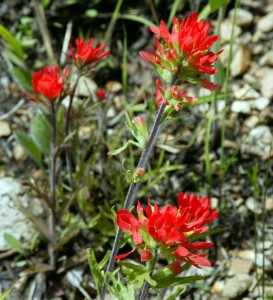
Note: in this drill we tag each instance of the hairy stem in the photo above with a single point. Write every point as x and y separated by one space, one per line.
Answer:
52 183
146 284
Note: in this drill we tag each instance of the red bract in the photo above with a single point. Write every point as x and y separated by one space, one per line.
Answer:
171 228
171 96
47 83
86 53
101 95
185 50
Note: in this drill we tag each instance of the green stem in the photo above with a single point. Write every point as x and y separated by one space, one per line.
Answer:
133 188
146 285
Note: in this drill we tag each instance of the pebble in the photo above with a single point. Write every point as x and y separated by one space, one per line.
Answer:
241 59
19 152
240 266
244 17
256 258
267 59
86 87
5 129
265 24
12 220
246 92
113 86
259 103
251 121
265 75
226 30
237 285
269 204
253 205
258 141
240 107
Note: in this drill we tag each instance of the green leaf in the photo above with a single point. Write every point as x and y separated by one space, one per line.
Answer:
12 43
95 270
178 292
117 151
23 77
30 146
6 293
215 4
136 19
40 130
119 290
91 13
14 243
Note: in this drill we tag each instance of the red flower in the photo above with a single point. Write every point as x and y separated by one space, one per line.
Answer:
101 94
86 53
47 83
185 50
170 228
171 96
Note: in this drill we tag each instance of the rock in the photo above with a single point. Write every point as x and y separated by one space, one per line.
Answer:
251 121
226 30
240 266
19 152
257 49
244 17
240 107
269 204
265 24
12 220
253 205
113 86
5 129
259 103
237 285
267 59
266 78
241 58
86 87
246 92
256 258
220 104
258 141
218 286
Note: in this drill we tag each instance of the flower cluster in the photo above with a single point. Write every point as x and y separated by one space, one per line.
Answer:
48 83
170 229
171 96
86 53
184 51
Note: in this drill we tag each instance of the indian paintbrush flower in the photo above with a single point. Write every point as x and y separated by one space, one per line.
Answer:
184 51
101 95
48 83
170 228
86 53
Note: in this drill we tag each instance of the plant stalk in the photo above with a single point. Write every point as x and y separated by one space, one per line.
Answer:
146 285
52 183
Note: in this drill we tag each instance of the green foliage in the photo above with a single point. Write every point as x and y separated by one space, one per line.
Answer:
96 268
12 43
211 7
119 290
14 243
28 143
179 291
24 77
6 293
40 131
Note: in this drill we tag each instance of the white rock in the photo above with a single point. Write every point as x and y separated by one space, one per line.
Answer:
265 24
237 285
226 30
19 152
240 107
269 204
258 141
256 258
244 17
251 121
246 92
220 105
266 78
4 128
260 103
12 220
267 59
86 87
253 205
240 59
